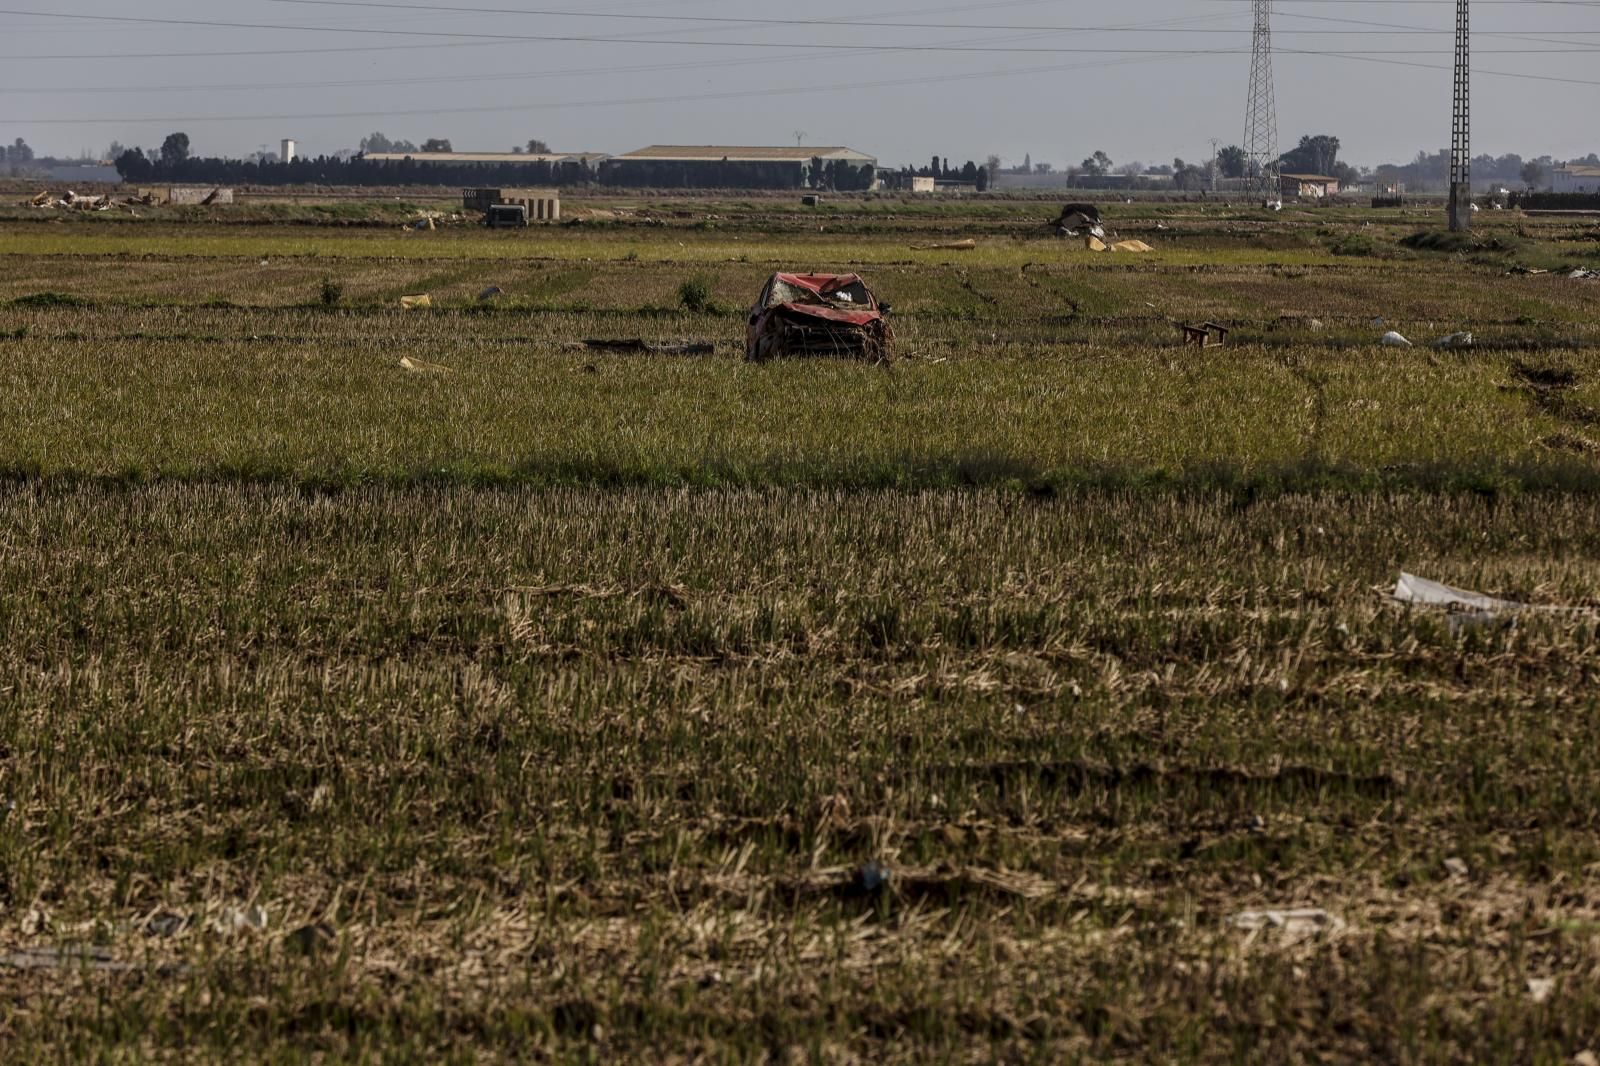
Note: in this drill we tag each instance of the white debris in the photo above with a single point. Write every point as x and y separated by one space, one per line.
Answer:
238 919
1413 589
1295 920
1394 340
1455 340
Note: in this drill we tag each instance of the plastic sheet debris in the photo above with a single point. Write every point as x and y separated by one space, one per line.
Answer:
1582 275
422 366
1131 246
1394 340
1094 244
1466 609
1289 920
1419 590
1472 608
411 303
1455 340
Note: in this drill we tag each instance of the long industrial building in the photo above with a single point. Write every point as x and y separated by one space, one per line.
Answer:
741 167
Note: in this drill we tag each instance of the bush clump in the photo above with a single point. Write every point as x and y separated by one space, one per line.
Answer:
50 299
695 296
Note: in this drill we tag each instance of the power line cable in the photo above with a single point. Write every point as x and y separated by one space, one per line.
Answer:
738 94
865 21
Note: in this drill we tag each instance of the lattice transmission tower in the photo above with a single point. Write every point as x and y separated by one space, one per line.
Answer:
1261 114
1461 126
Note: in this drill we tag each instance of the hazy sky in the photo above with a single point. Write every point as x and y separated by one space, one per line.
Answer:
1054 78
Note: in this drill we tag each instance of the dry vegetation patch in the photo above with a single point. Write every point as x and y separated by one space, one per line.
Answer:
1035 698
744 771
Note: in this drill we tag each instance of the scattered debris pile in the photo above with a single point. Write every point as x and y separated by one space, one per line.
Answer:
430 220
1078 220
827 315
71 201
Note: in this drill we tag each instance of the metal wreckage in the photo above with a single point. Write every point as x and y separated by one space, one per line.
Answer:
818 315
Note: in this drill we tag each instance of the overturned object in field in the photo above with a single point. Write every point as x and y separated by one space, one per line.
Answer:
1077 220
818 315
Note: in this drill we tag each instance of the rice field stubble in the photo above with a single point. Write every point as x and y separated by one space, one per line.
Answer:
350 711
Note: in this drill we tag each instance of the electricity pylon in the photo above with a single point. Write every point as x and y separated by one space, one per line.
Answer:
1461 126
1261 114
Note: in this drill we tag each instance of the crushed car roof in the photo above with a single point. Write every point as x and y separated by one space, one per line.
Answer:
826 288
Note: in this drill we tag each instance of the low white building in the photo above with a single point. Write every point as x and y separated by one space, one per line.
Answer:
1575 178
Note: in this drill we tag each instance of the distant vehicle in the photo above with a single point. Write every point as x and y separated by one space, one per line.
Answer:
829 315
506 216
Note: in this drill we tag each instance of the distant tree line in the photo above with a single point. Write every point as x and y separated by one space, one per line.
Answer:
939 169
1512 169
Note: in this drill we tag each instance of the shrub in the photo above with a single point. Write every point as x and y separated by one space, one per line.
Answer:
695 296
332 292
1354 244
50 299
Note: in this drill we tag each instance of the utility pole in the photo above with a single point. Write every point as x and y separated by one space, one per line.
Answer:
1461 126
1214 143
1261 113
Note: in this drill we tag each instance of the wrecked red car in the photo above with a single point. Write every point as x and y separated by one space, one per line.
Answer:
831 315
